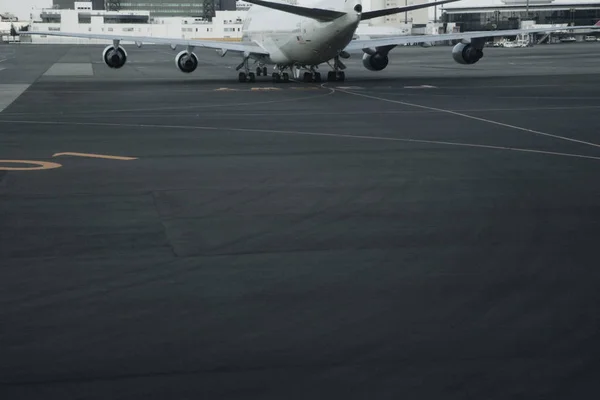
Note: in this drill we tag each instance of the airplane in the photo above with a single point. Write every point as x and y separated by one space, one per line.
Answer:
295 38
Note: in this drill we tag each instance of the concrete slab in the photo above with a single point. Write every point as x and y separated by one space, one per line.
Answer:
9 93
70 69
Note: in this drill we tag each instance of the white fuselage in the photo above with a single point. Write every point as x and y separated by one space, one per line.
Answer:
292 39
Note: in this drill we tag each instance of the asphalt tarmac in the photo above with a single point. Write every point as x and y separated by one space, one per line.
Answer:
425 232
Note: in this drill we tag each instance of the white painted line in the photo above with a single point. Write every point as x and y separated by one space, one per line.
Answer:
9 93
420 87
489 121
322 134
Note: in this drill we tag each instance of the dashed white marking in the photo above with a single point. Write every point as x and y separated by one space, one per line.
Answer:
255 89
9 93
224 89
420 87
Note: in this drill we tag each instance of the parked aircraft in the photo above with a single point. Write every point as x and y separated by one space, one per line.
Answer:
294 38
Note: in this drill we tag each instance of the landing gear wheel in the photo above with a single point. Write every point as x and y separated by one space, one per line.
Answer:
259 71
341 76
252 77
331 76
242 77
276 77
286 77
307 77
317 77
265 72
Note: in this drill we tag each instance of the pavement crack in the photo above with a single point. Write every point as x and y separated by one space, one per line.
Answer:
165 230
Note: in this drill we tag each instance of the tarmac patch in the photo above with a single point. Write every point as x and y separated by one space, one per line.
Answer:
9 93
70 69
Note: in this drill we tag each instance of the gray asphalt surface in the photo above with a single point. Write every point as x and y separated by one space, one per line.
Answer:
426 232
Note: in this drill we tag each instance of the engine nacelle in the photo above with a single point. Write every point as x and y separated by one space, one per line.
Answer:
186 62
466 53
114 58
376 61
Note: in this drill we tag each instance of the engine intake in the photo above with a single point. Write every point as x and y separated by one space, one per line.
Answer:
114 58
186 62
466 53
376 61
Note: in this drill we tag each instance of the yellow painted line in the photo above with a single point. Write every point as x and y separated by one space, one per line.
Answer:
95 156
40 165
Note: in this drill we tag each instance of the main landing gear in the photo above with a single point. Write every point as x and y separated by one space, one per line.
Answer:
337 75
246 75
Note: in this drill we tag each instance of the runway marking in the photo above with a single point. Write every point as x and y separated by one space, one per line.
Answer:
305 88
420 87
349 87
224 89
95 156
41 165
178 108
254 89
489 121
322 134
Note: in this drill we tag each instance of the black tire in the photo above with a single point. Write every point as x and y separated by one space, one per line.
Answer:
331 76
307 77
242 77
259 71
317 77
252 77
341 76
286 77
265 72
276 77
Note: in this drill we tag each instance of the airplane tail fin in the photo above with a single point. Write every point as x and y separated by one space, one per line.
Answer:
315 13
396 10
597 23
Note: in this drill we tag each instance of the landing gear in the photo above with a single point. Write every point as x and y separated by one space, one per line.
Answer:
278 78
259 71
337 75
311 76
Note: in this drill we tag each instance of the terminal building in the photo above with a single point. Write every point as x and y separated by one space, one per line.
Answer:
157 8
510 14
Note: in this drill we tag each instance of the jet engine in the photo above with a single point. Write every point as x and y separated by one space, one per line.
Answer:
466 53
114 57
376 61
186 62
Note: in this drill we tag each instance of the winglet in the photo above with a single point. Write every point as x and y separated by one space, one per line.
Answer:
315 13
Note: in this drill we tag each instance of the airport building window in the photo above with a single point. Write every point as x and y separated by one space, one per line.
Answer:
498 19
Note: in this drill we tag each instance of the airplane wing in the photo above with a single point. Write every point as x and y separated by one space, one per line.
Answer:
319 14
396 10
249 47
360 44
